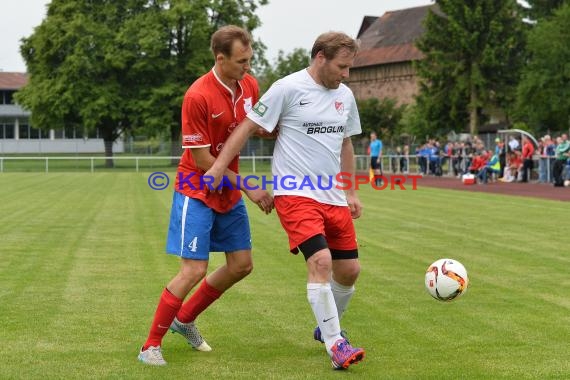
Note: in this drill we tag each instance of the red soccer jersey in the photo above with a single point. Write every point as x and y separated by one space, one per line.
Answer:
527 150
210 112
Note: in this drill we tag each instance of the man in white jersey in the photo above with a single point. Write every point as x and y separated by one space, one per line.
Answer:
316 116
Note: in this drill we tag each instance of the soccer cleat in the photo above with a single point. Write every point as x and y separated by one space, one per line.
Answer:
152 356
191 333
343 354
317 335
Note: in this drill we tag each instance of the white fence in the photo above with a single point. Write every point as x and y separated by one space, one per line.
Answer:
251 164
98 163
47 164
143 163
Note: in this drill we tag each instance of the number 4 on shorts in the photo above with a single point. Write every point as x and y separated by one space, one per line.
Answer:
193 244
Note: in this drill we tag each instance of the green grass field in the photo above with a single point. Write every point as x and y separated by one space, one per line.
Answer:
82 267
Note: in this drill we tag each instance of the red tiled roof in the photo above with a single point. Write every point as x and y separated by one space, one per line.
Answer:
12 81
387 54
391 37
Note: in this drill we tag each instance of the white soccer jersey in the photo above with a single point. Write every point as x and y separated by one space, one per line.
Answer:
313 122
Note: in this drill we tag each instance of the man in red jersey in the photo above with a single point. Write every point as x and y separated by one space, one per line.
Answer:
201 221
527 153
316 115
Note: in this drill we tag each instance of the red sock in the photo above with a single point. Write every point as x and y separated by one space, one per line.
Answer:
167 308
198 302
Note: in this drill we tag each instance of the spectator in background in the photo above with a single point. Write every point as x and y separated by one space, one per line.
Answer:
513 144
550 152
394 159
561 155
541 149
546 152
457 155
527 153
514 162
501 152
478 163
404 159
468 151
421 153
398 158
492 167
434 159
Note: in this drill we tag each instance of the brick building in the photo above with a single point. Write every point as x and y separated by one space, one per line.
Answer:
383 67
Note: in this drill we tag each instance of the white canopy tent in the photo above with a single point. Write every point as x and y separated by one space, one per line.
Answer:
505 133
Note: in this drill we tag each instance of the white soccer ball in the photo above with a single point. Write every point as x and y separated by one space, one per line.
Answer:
446 279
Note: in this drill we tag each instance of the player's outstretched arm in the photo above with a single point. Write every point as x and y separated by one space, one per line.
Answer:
231 148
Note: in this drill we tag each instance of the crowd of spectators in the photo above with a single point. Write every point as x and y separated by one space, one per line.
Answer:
510 162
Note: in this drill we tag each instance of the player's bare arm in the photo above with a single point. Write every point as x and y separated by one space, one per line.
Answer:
231 148
204 160
347 166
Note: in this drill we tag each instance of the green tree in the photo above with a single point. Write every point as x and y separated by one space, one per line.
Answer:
70 82
122 65
472 60
544 91
540 9
182 30
381 116
284 65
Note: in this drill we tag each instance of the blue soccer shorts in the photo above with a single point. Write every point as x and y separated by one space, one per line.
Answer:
196 230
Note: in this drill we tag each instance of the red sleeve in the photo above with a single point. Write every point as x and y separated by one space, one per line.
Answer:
194 121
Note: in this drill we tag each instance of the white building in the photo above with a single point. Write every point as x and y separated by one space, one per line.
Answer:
18 136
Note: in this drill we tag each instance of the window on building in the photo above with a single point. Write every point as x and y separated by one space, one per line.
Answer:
36 133
8 131
24 131
9 97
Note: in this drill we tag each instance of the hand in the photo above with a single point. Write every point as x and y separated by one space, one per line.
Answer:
261 198
354 205
217 176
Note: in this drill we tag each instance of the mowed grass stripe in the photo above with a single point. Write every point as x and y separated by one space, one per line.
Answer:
98 240
433 232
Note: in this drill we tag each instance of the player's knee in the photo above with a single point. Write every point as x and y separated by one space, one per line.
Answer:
348 272
352 271
245 271
321 262
192 274
241 269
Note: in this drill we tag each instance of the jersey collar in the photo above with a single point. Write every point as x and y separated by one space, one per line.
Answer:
227 87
